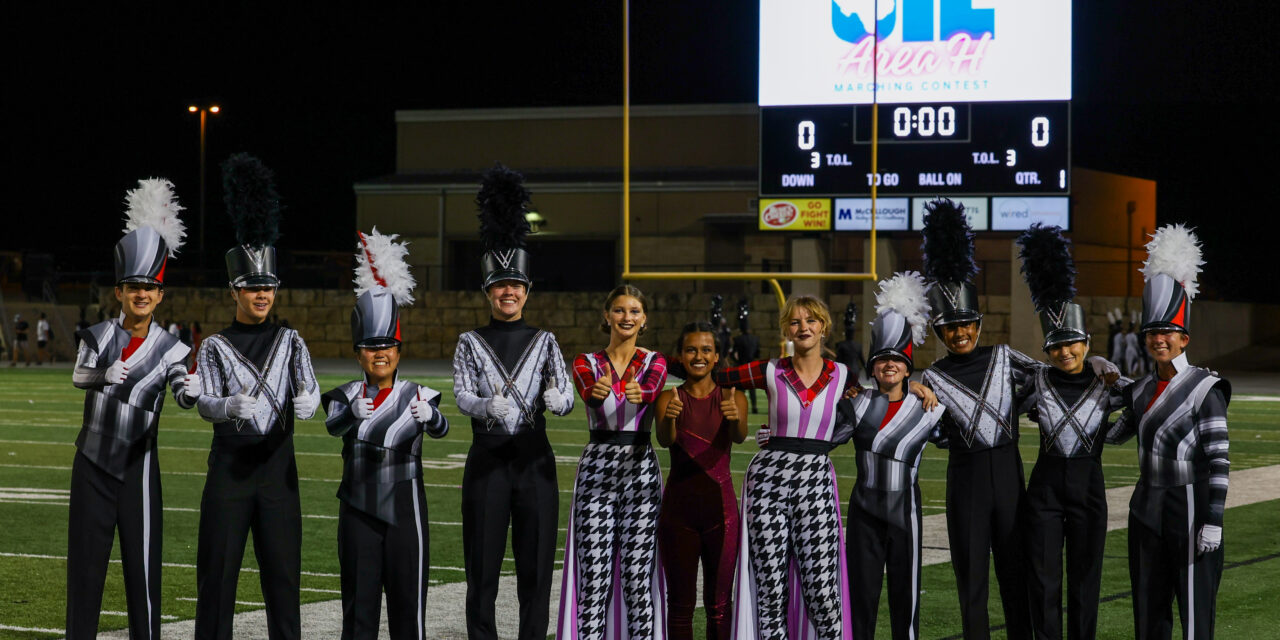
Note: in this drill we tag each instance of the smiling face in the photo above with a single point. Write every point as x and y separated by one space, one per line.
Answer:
625 317
698 354
805 330
889 372
960 337
253 304
506 299
1069 357
138 300
378 363
1165 346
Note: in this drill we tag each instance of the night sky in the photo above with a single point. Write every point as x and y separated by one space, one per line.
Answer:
1183 93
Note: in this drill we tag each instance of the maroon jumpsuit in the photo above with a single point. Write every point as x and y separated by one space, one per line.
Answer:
699 519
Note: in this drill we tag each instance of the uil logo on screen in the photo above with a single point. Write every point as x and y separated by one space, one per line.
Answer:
850 19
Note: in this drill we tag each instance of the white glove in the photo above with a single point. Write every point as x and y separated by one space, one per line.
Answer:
190 386
500 407
1210 538
555 402
241 406
362 408
305 405
117 372
762 436
1102 366
422 411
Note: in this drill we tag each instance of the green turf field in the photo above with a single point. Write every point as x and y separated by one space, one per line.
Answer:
40 415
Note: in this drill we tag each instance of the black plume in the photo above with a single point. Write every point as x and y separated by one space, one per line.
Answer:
851 313
249 192
503 200
1047 265
948 243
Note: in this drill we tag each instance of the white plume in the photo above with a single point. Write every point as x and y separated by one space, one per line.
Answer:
1174 251
381 262
154 204
1111 317
904 293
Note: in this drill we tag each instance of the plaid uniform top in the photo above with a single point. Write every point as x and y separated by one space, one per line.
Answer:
117 417
795 411
1071 431
383 449
478 375
984 418
615 413
225 372
1182 435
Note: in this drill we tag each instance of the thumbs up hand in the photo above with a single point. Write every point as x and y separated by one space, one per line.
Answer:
603 386
631 388
729 405
674 408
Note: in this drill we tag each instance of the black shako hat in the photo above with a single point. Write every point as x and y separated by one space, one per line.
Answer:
949 265
1050 274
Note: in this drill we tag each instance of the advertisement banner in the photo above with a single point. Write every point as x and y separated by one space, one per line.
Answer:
854 214
1016 214
796 214
816 52
975 209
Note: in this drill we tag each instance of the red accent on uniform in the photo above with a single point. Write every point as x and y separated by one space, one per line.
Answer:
891 411
1180 318
398 329
1160 385
908 351
163 263
372 269
133 345
382 395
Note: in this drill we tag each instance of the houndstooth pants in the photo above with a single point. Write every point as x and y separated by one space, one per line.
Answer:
615 511
793 513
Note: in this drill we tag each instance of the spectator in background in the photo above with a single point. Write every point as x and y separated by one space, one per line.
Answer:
184 333
173 328
20 328
196 336
81 325
43 335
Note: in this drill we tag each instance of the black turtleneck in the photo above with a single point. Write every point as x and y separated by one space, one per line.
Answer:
1071 385
253 341
969 369
507 339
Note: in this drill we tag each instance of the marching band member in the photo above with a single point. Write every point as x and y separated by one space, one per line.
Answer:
506 376
890 430
699 421
1179 414
124 365
791 579
1066 496
985 488
382 517
256 378
617 488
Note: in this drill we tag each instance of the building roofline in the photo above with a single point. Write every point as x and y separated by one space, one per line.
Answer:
576 113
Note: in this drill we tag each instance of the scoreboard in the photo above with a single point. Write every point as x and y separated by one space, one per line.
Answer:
938 148
973 98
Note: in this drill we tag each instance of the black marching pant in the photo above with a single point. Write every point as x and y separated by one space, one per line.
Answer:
375 556
877 550
509 480
1066 504
1165 564
99 505
254 487
984 495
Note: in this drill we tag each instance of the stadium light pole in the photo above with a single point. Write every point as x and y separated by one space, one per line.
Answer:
204 113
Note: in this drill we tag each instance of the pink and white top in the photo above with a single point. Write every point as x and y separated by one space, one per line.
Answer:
795 411
615 413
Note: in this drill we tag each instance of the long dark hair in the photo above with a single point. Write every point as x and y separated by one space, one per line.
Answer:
674 366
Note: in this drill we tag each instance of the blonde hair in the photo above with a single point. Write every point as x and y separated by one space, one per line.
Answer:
816 308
